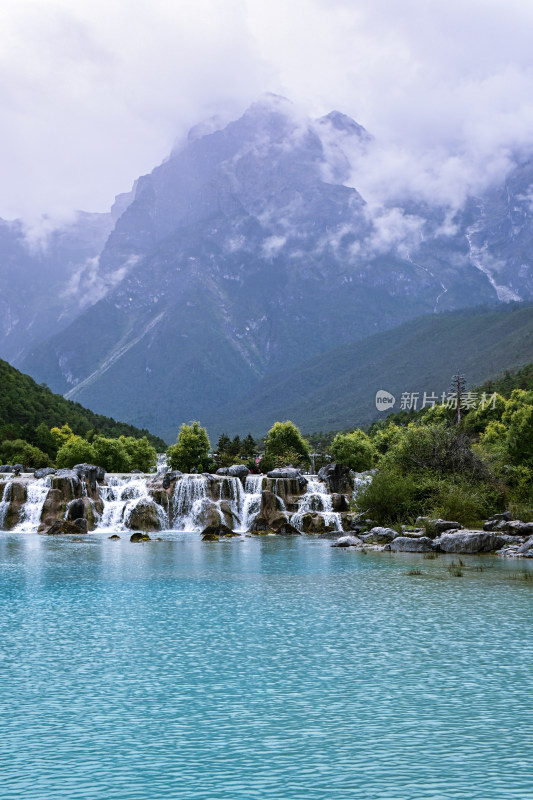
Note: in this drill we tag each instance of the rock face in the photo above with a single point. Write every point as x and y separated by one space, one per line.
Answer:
144 516
404 544
338 478
314 523
171 477
91 473
470 542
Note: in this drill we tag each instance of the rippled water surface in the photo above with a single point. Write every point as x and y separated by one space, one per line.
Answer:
260 668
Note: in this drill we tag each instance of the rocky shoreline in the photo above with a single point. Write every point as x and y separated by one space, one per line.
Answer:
285 502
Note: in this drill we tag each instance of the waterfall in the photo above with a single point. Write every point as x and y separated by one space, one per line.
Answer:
231 490
251 504
316 500
191 497
31 511
4 502
120 497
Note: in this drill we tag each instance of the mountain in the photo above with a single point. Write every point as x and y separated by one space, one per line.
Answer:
245 254
24 405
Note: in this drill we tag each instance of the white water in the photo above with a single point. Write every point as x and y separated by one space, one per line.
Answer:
190 500
32 509
316 500
251 501
4 502
121 496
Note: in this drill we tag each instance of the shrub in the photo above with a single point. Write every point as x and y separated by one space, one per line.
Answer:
354 450
191 451
75 451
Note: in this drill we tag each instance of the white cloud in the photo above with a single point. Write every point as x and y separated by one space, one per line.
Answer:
92 94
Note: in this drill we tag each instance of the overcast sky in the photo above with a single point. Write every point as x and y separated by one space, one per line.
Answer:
93 94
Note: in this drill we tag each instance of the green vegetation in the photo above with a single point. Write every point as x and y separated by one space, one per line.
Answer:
33 431
285 446
191 451
355 450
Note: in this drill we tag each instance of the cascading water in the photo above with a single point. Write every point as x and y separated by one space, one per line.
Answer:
232 492
251 504
30 515
191 497
4 502
316 500
120 497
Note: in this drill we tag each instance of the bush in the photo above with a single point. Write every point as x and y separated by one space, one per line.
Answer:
75 451
354 450
191 451
111 454
284 446
141 454
17 451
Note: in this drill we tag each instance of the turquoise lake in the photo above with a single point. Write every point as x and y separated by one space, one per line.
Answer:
261 668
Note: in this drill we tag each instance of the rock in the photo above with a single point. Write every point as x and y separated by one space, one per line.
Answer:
470 542
339 502
136 472
6 468
506 516
114 536
76 509
347 541
222 471
405 544
315 523
82 524
271 508
338 478
379 536
63 526
526 549
18 468
285 529
170 477
144 515
231 520
91 473
212 532
517 527
238 471
289 475
42 473
434 527
139 536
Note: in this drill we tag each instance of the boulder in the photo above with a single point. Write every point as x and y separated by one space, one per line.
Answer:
434 527
338 478
238 471
315 523
285 529
339 502
470 542
64 527
91 473
379 536
405 544
139 536
18 468
114 536
76 509
82 524
347 541
42 473
171 477
212 532
271 508
144 515
222 471
517 528
6 468
526 550
506 516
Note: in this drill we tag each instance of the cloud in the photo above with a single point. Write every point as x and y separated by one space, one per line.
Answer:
93 94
